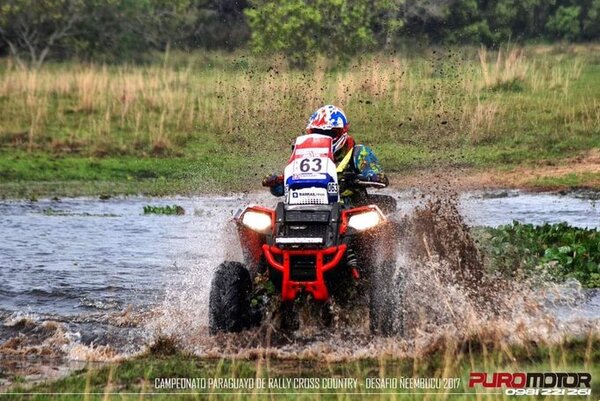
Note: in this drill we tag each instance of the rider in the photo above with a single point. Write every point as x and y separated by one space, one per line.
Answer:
354 162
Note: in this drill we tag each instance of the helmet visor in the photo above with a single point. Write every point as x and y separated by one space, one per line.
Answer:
332 133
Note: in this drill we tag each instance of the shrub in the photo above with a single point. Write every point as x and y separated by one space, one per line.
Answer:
300 29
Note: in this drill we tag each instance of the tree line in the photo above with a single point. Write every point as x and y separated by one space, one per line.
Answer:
33 31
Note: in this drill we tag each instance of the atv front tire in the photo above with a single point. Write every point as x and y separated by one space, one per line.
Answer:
229 303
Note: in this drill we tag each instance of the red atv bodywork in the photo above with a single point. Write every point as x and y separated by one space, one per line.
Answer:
317 288
259 248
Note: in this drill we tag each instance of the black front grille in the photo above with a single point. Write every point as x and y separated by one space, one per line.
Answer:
304 230
303 268
307 216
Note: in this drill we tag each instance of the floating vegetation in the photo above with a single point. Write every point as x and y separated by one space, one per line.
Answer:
166 210
555 250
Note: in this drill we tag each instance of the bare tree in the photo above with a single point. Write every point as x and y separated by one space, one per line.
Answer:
34 28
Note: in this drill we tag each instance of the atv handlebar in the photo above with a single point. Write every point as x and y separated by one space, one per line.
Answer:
372 184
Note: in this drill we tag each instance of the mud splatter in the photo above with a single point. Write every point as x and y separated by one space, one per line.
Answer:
446 296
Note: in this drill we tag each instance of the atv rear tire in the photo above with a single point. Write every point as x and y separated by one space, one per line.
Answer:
229 303
385 306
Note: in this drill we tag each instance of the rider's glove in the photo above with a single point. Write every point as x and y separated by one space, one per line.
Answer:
348 178
272 180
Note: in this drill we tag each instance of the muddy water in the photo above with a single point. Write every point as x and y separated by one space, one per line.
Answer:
86 279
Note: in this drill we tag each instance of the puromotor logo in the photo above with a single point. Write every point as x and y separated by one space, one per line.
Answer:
563 383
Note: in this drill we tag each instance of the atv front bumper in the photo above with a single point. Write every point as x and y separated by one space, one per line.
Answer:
303 270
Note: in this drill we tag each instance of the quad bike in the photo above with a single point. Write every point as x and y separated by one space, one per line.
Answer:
310 248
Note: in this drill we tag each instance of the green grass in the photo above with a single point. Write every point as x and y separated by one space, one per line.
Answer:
571 180
213 122
35 175
130 379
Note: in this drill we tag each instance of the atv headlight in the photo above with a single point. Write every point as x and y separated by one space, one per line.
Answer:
257 221
364 221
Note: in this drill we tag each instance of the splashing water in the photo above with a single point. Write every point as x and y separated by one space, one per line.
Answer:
74 292
445 294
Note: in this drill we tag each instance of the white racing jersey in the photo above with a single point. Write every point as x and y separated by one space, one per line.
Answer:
310 177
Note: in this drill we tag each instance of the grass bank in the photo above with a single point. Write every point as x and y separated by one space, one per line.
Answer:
136 378
217 122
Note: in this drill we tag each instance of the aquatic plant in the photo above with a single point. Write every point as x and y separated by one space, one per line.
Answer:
167 210
559 250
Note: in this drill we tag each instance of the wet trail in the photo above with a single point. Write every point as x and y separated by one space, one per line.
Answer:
90 280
